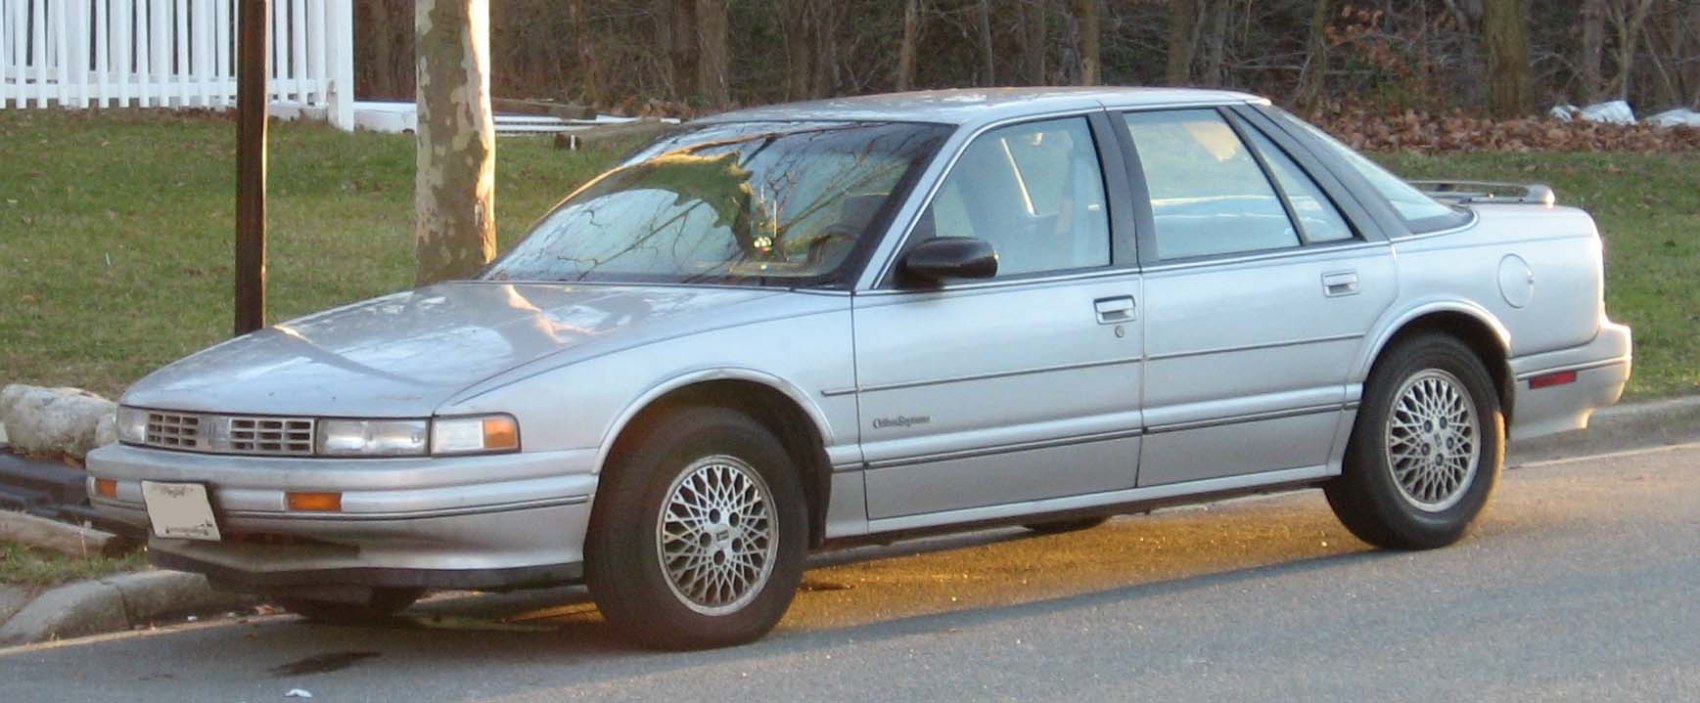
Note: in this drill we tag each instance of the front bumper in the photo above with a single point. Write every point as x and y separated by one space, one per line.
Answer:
455 522
1602 370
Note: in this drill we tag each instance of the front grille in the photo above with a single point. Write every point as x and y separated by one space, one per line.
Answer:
264 435
230 434
174 431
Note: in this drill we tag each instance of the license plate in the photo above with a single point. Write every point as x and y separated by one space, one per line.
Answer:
180 510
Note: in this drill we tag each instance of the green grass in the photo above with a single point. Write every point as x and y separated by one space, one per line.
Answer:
1647 207
20 566
116 229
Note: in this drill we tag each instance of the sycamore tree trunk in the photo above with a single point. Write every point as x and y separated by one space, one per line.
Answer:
1091 38
455 189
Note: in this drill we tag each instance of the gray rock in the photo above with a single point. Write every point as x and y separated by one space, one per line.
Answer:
12 599
85 608
50 420
3 441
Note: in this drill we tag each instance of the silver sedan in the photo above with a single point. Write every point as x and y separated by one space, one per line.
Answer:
805 326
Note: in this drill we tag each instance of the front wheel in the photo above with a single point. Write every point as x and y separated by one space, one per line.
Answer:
1426 450
699 532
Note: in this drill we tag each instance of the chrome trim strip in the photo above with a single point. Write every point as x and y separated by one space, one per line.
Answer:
1250 417
1253 347
1067 275
1579 367
1312 250
1006 448
1128 496
997 374
834 392
410 514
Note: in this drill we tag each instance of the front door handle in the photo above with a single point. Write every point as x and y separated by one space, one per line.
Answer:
1340 283
1112 311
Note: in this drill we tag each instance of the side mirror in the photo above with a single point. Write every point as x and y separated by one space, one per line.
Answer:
951 257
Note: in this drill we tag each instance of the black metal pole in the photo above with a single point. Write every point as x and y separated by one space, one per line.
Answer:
254 43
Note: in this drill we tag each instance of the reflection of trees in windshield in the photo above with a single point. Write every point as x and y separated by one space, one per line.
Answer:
731 202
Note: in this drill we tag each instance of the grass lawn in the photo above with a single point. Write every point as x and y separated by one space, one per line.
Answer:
32 568
1648 211
116 228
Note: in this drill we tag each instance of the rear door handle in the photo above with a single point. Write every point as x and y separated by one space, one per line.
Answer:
1114 310
1340 283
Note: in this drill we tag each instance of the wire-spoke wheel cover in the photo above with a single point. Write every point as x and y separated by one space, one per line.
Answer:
1433 440
717 535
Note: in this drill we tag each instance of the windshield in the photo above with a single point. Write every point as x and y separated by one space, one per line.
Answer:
763 203
1420 212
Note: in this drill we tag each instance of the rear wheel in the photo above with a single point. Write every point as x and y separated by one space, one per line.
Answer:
380 605
1426 450
699 532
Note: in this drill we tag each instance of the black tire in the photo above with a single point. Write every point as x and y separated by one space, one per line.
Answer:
1057 527
676 462
1421 480
379 606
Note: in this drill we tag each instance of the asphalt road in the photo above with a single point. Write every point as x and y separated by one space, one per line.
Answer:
1579 583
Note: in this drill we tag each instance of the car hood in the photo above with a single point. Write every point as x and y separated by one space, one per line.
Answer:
403 355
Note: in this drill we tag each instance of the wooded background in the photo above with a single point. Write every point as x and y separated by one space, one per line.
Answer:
1499 57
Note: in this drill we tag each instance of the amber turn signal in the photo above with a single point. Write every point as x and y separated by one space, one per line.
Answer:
314 502
106 487
500 433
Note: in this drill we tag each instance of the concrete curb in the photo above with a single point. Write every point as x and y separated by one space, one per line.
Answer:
115 604
1619 427
128 600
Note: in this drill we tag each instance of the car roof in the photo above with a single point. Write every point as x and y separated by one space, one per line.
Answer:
967 106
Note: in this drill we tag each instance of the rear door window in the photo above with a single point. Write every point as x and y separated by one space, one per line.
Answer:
1209 197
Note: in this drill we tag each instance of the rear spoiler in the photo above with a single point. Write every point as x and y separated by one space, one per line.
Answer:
1487 192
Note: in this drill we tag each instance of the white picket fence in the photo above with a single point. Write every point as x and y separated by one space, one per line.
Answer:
170 53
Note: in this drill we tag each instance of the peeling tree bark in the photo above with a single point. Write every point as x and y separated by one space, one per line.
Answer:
454 191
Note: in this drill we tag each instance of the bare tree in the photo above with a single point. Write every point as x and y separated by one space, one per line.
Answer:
1593 49
584 50
1314 76
1033 41
984 21
1215 40
906 49
1505 33
1627 17
1183 40
455 187
714 60
1091 40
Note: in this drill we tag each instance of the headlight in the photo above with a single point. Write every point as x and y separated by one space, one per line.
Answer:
132 425
372 437
473 435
